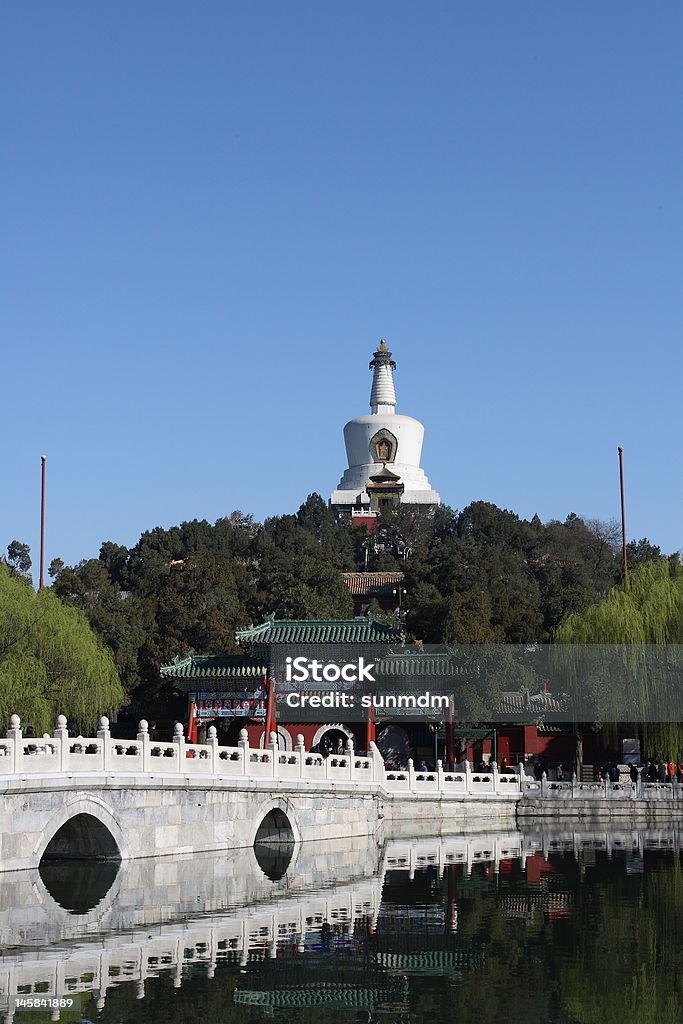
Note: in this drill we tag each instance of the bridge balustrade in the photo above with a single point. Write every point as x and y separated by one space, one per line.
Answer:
543 789
21 755
29 756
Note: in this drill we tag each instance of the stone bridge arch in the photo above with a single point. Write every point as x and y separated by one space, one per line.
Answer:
278 803
89 807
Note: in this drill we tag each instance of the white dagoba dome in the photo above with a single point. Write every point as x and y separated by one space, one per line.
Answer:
383 451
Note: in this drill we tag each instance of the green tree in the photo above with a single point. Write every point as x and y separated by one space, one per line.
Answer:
19 559
647 611
51 662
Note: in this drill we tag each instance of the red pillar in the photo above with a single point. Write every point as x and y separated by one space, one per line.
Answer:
271 717
450 739
370 731
192 724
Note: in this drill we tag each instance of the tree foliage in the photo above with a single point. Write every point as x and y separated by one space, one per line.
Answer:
51 661
624 675
479 575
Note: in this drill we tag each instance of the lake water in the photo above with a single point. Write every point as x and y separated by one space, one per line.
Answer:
545 927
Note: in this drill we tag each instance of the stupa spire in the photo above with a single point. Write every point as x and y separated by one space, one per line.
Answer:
383 393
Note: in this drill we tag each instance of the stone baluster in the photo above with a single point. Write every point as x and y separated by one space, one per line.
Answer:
15 735
608 785
575 785
544 785
212 741
62 735
104 735
521 777
349 754
243 744
377 771
468 776
143 740
495 777
179 743
273 750
411 775
300 753
439 775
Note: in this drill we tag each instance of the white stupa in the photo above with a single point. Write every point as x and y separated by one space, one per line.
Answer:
383 451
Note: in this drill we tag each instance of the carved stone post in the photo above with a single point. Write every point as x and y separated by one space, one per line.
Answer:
411 775
522 777
62 735
468 776
243 744
544 785
378 772
104 734
439 775
212 741
179 742
15 735
274 759
143 740
349 755
300 753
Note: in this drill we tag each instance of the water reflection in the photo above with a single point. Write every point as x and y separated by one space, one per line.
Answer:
78 886
274 859
547 927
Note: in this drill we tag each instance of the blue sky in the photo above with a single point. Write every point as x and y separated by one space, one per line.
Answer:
213 211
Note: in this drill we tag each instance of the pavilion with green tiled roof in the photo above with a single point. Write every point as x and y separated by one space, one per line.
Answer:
216 672
232 685
361 630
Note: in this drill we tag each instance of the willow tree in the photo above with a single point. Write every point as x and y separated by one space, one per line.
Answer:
636 674
51 662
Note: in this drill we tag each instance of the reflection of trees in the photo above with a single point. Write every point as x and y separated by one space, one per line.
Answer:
617 958
628 961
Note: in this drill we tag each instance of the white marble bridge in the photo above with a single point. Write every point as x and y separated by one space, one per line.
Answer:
103 797
75 796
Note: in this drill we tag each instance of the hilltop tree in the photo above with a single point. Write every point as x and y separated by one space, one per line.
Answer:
19 559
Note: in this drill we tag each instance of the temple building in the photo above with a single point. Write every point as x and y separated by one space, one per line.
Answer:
383 451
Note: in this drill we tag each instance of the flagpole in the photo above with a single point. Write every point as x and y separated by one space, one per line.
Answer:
41 583
624 556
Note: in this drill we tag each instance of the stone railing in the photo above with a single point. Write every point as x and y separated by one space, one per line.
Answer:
25 756
465 782
59 753
572 789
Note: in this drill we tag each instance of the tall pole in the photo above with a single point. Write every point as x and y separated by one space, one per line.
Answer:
624 557
41 584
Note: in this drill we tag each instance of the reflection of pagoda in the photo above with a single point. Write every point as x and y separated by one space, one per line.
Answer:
383 451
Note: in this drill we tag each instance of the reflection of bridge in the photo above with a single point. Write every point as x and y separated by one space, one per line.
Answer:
164 917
